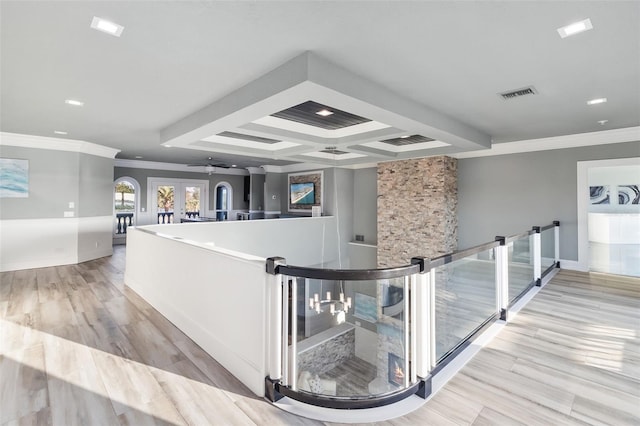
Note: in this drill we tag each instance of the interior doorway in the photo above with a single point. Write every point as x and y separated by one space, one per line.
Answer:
609 216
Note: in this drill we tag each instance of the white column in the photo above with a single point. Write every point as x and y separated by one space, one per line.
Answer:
422 311
284 304
556 233
537 255
274 286
293 359
431 301
414 327
407 341
502 279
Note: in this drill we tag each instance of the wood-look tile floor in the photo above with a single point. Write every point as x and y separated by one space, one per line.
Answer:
78 347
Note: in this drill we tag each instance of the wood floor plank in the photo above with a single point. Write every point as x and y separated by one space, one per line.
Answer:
79 347
23 384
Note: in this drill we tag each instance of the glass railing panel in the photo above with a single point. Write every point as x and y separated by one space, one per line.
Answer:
521 274
350 338
465 299
548 248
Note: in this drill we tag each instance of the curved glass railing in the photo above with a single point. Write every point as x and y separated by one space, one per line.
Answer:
346 338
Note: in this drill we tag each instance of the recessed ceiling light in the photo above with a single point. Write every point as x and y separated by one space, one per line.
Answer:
59 132
139 156
106 26
234 165
597 101
404 137
324 112
603 122
167 145
575 28
73 102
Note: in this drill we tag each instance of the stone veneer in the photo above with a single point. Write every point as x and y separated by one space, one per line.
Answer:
417 209
328 354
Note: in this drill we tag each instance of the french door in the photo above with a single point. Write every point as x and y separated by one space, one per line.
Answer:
174 200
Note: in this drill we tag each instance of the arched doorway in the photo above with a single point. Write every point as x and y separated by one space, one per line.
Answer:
125 202
223 198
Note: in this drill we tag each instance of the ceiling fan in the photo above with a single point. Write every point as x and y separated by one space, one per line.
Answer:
210 165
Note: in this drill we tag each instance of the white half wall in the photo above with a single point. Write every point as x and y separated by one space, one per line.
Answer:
39 243
305 241
218 299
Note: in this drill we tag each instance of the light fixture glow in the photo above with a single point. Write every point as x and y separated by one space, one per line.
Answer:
602 122
575 28
324 112
404 137
105 26
167 146
59 132
139 156
597 101
234 165
73 102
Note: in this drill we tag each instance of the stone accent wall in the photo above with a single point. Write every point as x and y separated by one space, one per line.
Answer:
328 354
417 209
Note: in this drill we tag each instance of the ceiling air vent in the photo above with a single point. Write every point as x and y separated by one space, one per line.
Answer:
512 94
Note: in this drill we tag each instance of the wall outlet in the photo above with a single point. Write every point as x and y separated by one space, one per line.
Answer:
359 237
69 214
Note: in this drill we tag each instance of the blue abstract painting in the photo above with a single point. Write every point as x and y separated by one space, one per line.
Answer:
14 178
366 307
599 194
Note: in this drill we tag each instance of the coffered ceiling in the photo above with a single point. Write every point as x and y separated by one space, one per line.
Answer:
339 83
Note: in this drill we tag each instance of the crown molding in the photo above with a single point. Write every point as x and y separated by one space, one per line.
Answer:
256 170
156 165
56 144
627 134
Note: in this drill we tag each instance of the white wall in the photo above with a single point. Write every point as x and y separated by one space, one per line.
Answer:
38 243
218 300
304 241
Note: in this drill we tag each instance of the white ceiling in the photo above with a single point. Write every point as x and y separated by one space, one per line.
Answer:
183 71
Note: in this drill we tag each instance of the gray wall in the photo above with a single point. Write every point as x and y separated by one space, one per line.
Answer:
365 204
273 186
507 194
257 192
53 183
141 175
95 186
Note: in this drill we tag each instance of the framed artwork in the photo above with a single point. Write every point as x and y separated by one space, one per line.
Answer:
305 191
599 194
628 194
14 178
365 307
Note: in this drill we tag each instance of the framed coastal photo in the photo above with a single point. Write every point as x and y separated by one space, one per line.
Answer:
14 178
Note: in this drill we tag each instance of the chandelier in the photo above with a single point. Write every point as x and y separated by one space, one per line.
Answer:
337 308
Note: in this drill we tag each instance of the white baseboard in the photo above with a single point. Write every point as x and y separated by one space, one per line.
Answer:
572 265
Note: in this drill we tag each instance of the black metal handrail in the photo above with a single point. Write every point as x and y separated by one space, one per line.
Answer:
347 274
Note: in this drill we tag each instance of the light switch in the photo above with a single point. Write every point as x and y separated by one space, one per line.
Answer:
72 205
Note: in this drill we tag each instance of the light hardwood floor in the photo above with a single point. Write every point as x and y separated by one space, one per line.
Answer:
78 347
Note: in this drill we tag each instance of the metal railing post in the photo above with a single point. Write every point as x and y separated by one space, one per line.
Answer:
537 256
502 278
